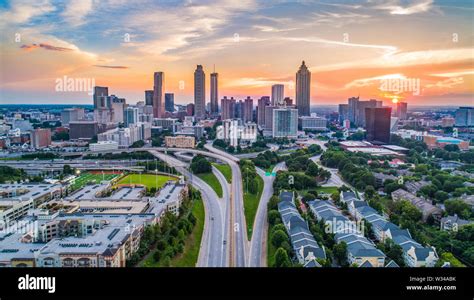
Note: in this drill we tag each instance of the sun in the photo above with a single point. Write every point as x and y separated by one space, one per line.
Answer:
395 100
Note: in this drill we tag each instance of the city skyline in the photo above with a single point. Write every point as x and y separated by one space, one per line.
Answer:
253 45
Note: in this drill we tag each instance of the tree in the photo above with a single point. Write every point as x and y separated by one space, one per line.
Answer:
312 169
157 255
273 216
369 191
281 259
200 164
449 257
340 253
279 237
67 170
458 207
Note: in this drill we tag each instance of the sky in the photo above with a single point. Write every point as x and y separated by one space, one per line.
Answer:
418 51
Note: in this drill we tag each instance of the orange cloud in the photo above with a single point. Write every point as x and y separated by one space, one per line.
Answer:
44 46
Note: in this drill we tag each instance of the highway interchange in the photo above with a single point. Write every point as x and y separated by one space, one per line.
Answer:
224 242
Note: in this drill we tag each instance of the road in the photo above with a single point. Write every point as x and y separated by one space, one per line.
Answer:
258 244
212 250
335 179
238 232
226 209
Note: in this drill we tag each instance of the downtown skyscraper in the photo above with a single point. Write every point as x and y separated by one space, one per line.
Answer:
214 94
199 93
158 91
100 94
277 94
303 90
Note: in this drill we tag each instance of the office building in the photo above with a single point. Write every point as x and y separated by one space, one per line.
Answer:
158 91
343 112
214 94
103 146
277 94
180 141
313 122
71 114
199 93
228 108
149 97
99 93
248 110
40 138
285 123
465 116
288 101
378 124
130 116
303 90
262 103
360 112
269 117
117 108
169 102
401 112
83 129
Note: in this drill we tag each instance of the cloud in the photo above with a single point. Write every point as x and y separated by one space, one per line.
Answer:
111 67
396 8
76 11
32 47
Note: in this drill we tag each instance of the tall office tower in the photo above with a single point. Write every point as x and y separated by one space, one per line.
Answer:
214 94
40 138
262 103
343 112
303 90
169 102
239 110
285 122
158 90
278 94
269 117
248 110
377 122
190 109
227 108
465 116
360 112
352 108
401 110
149 97
199 93
118 107
99 93
71 114
130 116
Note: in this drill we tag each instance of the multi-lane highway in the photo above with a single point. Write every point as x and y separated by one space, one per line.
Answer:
258 244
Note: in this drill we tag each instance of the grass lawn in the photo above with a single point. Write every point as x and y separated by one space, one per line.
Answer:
95 177
225 170
213 182
327 189
251 204
149 180
192 245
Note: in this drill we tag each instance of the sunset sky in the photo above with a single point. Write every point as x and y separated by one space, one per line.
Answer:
349 47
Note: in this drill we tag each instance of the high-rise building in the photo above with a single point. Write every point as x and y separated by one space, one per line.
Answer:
40 138
377 122
360 112
130 116
313 122
118 107
149 97
465 116
227 108
99 93
190 109
71 114
262 103
248 110
214 94
401 113
303 90
158 91
343 112
288 101
169 102
352 108
285 122
199 93
278 94
269 117
83 129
